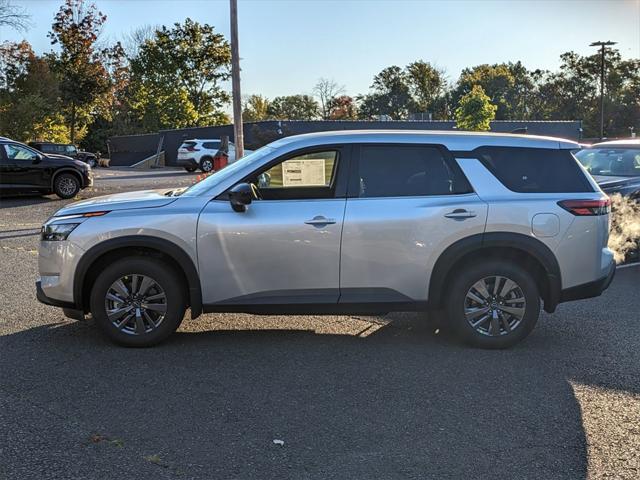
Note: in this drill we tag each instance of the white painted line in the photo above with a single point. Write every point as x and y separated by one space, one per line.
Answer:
628 265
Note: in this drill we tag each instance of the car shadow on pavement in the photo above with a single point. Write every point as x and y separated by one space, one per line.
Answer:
13 201
402 402
350 397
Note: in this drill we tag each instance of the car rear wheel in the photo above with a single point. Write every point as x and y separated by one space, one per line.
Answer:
493 304
138 301
206 164
66 185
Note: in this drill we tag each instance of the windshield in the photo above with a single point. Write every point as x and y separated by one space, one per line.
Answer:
611 162
221 175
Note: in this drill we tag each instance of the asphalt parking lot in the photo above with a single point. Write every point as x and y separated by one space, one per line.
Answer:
350 397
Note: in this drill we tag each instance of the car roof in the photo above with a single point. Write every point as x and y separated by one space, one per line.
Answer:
624 143
453 140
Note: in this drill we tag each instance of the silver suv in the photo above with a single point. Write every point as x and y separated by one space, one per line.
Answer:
486 227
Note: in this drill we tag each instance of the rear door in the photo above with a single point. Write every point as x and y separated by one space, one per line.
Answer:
406 204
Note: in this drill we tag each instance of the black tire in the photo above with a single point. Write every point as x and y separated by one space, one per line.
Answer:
501 331
206 164
164 276
66 185
191 168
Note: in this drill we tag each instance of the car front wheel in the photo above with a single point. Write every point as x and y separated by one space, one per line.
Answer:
206 164
138 301
66 185
493 304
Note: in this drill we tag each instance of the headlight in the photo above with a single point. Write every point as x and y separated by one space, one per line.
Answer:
57 232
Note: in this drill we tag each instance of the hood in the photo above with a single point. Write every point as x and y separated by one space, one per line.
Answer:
119 201
623 185
64 160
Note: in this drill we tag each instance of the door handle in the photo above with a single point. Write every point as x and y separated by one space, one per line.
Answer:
460 214
320 220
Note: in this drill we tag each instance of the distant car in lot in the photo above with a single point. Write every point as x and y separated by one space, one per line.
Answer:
615 165
66 149
200 153
24 169
486 227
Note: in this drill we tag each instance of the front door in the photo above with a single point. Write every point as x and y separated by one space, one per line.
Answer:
21 167
406 204
285 248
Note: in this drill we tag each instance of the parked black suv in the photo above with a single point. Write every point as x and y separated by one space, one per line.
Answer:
24 169
67 149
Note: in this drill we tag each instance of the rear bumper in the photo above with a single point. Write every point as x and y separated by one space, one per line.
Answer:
186 162
591 289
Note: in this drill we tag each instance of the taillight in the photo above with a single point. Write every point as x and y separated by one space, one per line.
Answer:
587 207
192 149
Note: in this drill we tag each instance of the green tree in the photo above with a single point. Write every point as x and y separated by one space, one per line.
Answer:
475 110
29 106
390 95
255 108
573 92
176 77
82 76
294 107
427 86
496 81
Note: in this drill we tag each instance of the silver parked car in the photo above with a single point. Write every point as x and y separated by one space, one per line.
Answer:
486 227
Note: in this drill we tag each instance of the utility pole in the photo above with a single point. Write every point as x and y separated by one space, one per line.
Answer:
603 46
235 82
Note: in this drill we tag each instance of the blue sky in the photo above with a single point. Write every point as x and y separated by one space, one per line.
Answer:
286 45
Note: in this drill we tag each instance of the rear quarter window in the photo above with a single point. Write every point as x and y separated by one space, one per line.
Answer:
535 170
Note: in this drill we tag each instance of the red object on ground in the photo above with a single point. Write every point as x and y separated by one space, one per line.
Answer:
220 161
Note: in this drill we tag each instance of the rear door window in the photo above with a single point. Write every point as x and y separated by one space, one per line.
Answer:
211 145
408 170
535 170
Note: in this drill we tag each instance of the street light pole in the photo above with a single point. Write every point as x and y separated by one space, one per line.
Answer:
603 46
235 82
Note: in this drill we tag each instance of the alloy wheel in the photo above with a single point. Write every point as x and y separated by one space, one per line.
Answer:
67 186
135 304
207 165
495 306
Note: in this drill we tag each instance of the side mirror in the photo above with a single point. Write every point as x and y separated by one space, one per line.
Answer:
240 196
36 159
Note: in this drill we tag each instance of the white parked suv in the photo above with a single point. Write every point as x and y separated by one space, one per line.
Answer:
199 153
487 227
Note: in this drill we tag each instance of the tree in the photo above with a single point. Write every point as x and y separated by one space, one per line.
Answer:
475 110
496 81
176 77
573 93
83 78
427 86
390 95
13 16
343 108
294 107
29 106
326 90
255 108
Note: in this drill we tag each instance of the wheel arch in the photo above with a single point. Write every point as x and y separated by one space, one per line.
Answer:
100 254
525 250
62 170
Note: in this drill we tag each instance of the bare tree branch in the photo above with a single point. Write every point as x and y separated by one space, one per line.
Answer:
326 90
13 16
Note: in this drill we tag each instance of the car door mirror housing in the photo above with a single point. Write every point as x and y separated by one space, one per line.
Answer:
36 159
240 196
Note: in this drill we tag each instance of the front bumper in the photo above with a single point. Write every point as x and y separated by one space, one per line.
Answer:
591 289
70 310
